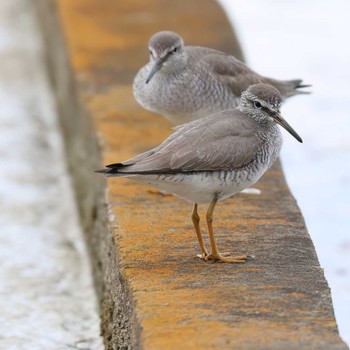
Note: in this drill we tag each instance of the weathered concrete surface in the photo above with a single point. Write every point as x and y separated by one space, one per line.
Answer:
155 294
47 299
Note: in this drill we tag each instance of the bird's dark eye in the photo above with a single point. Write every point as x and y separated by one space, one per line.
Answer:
257 104
174 50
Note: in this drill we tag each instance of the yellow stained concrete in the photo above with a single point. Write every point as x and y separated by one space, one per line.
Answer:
182 302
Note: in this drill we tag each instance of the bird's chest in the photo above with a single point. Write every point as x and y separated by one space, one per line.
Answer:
189 96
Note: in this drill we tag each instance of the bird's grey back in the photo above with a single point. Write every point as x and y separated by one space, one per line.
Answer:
236 75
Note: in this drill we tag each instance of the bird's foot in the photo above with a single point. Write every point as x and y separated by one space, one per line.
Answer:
228 258
203 255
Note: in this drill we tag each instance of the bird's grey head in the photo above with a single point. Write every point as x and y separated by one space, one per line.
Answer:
262 102
261 97
166 50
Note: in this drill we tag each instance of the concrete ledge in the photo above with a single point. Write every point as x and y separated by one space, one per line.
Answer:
154 293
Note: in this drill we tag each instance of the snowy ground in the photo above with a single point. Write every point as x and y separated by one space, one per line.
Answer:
310 40
46 295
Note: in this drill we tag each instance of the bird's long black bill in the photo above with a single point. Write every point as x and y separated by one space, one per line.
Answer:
157 65
281 121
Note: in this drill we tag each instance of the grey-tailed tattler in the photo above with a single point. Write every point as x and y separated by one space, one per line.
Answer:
215 157
184 83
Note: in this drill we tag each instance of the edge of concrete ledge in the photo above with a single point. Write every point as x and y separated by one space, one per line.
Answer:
153 294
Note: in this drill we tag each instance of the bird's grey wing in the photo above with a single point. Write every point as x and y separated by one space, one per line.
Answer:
224 141
229 71
237 76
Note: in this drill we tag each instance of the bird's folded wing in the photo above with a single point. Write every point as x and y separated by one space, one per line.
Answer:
231 72
225 141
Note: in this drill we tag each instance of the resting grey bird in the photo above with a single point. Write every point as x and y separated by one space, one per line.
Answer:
184 83
213 158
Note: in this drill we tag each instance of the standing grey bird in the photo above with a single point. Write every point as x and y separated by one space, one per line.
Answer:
185 83
213 158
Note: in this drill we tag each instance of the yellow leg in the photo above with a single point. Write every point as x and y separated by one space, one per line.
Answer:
195 220
215 255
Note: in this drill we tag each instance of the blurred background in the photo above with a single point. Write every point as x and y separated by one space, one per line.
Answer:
47 300
309 40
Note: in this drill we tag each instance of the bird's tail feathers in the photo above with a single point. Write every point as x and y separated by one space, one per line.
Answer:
111 170
298 84
290 88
